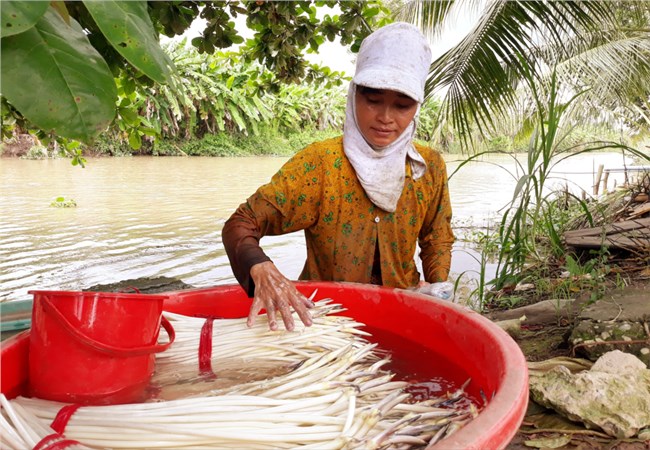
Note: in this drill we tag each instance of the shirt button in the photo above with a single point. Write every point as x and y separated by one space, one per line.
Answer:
377 219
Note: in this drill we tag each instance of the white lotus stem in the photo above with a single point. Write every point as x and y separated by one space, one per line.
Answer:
351 409
9 437
26 434
386 386
392 429
436 437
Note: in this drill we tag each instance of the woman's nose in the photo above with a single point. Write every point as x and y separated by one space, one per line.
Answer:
384 114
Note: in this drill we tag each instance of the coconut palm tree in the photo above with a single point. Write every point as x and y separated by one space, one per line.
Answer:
603 46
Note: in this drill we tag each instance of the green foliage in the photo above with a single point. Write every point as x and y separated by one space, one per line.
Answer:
37 152
282 30
480 71
499 144
167 147
529 234
18 17
585 275
604 45
428 120
575 269
221 93
211 145
128 28
300 140
554 270
479 280
8 120
268 143
66 87
71 149
109 145
523 221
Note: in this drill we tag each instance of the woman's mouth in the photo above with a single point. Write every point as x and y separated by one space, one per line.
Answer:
382 132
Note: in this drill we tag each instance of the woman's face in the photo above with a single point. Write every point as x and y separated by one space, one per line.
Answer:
383 115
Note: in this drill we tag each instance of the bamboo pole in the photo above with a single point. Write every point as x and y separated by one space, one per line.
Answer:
597 182
605 182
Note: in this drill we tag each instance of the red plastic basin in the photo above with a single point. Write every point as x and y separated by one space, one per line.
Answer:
462 338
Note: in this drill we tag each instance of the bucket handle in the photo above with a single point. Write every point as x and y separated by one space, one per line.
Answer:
106 348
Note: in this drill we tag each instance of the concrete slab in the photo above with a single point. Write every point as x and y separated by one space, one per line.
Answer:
630 304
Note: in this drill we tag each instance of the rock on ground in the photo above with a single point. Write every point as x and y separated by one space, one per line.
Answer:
614 395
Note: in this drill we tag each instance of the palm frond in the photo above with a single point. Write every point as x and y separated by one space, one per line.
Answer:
429 16
615 70
613 63
479 76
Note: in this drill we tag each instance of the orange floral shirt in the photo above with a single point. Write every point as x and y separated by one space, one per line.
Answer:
317 191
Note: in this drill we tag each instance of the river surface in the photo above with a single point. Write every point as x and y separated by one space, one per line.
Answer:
149 217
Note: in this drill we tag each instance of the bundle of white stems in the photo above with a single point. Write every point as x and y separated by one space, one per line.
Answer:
332 393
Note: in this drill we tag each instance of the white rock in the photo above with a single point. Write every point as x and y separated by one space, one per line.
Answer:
618 362
613 396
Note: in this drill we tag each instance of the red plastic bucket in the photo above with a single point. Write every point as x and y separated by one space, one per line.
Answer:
94 347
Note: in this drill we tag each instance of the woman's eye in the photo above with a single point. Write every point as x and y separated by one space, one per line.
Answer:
404 107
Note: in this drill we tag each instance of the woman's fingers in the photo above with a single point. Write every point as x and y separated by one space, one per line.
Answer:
256 307
270 314
302 309
287 317
278 295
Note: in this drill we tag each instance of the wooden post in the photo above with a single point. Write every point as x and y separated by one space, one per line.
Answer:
605 182
598 175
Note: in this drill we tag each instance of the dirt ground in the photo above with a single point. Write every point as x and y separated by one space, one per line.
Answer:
543 341
545 337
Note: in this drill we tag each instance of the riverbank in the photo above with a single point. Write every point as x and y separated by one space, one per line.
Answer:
267 142
575 332
547 339
215 145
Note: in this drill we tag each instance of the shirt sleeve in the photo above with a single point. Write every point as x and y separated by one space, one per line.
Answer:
287 203
436 237
241 238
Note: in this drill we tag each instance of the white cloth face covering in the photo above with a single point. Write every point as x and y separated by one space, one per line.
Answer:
381 171
396 57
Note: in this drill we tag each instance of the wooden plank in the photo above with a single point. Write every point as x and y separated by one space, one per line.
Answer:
618 227
614 241
640 210
629 234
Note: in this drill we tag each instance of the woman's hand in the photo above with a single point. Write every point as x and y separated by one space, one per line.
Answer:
275 292
443 290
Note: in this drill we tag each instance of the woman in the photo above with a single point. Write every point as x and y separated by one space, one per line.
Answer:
364 200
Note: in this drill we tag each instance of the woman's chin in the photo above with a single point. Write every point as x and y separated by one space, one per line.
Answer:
381 142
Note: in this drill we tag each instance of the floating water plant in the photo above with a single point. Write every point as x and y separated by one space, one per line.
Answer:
62 202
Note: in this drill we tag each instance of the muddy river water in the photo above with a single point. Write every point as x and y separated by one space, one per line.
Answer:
149 217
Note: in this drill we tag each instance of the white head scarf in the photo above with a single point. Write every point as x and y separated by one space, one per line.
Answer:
396 57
